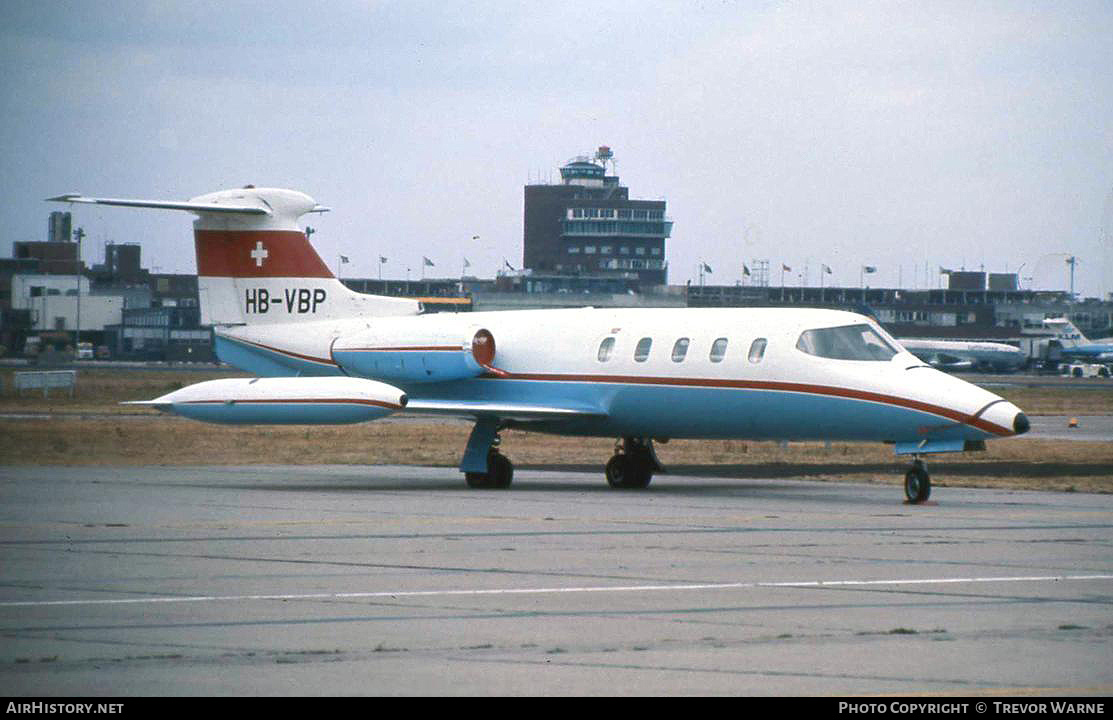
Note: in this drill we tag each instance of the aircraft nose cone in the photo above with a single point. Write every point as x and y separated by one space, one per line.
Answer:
1021 424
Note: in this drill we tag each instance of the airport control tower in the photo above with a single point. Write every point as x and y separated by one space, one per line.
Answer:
588 225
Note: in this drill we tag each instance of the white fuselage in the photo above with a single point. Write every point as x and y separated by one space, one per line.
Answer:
717 388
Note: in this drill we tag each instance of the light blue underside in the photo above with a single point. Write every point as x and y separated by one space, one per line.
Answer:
248 413
269 363
645 410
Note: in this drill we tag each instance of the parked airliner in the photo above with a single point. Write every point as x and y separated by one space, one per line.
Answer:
326 354
1071 343
956 355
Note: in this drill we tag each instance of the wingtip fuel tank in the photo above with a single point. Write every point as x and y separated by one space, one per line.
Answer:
283 401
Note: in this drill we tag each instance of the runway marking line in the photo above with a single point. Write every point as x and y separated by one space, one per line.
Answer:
394 594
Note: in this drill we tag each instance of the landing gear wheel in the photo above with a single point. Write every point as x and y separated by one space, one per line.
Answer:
499 475
628 472
917 483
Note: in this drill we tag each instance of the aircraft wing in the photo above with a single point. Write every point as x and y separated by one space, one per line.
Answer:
504 410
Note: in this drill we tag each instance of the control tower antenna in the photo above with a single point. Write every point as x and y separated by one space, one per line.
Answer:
604 155
1072 261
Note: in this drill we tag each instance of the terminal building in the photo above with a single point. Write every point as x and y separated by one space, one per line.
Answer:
586 243
49 295
588 228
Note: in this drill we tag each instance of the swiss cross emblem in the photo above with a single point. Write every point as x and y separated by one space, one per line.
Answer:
259 254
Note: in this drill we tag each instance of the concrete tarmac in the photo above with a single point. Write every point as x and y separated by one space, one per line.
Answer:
1084 428
391 580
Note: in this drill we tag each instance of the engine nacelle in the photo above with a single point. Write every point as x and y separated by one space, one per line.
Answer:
283 401
432 356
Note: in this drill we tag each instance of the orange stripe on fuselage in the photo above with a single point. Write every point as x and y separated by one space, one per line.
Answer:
296 401
411 348
806 388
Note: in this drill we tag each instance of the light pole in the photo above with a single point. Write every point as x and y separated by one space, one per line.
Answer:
78 234
1072 261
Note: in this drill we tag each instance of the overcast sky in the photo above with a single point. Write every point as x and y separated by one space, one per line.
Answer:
905 135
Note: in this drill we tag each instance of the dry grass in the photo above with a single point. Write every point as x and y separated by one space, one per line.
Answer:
93 429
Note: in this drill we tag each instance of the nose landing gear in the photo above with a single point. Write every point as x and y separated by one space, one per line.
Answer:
917 483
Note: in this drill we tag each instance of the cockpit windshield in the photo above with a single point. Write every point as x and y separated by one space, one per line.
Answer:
849 342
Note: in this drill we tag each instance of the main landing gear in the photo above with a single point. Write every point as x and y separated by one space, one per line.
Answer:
483 465
500 472
917 482
633 464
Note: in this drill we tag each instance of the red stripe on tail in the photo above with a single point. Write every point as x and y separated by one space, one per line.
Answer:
257 253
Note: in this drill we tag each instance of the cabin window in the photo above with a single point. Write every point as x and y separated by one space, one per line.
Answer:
757 350
850 342
680 350
605 349
641 352
718 350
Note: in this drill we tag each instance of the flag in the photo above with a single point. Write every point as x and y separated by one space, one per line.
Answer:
745 270
427 261
707 268
344 259
507 263
466 263
827 269
786 268
869 269
382 259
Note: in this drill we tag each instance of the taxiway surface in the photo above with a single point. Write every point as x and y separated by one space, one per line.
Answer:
398 580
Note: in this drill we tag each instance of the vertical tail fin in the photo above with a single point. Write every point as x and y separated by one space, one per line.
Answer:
255 265
1066 332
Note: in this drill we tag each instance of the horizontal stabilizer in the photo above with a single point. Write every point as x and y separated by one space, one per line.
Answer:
164 204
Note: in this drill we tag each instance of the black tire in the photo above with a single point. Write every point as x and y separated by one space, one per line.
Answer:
616 471
499 475
500 471
629 472
917 485
477 480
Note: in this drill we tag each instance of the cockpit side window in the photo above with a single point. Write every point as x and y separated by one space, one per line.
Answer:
850 342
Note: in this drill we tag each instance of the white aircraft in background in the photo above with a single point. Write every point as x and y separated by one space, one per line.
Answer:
955 355
1071 343
325 354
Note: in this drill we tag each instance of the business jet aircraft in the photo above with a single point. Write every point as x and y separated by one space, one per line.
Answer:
956 355
325 354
